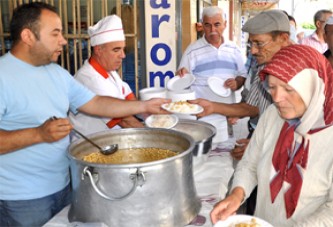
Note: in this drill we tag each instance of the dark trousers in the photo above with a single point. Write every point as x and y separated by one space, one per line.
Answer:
252 200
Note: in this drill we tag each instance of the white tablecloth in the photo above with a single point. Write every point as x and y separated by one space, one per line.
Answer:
212 173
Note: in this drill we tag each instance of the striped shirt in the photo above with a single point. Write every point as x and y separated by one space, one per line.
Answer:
313 41
258 95
204 60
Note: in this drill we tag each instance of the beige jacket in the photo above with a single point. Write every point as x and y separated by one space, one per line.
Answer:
315 204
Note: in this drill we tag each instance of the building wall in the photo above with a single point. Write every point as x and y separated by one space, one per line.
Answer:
78 15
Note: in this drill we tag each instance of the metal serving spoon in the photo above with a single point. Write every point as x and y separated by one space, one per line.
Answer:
104 150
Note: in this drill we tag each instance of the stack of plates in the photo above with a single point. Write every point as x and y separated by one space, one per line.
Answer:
178 88
152 92
182 95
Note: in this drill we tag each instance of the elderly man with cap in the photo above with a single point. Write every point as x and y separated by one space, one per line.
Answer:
328 36
99 74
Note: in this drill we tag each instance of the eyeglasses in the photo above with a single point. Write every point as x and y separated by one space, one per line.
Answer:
257 45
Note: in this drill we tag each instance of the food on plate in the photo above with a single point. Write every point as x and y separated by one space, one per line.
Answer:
128 156
161 121
241 220
181 107
251 223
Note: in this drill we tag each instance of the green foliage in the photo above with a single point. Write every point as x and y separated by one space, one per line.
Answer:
307 25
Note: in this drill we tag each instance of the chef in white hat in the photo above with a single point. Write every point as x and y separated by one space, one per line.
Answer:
99 74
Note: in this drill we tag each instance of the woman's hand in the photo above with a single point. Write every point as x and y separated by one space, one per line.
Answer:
223 209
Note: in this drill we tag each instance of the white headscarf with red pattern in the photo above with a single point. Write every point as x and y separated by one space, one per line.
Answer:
311 75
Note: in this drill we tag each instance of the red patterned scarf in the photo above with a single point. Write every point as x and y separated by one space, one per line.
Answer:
285 65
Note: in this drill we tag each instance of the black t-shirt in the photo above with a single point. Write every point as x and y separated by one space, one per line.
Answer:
327 53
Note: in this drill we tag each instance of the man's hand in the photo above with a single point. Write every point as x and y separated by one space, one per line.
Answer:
239 149
233 120
231 83
206 104
181 72
54 129
153 106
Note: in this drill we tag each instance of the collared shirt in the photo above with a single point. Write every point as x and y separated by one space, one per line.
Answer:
204 60
252 68
97 79
258 95
313 41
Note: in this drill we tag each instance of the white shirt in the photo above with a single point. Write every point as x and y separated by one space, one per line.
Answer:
108 84
203 60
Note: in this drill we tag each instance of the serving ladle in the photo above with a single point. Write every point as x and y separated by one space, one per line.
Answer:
107 150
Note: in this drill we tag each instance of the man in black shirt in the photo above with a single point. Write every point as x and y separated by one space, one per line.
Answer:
328 36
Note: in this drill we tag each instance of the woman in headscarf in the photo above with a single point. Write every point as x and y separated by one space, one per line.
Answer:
290 156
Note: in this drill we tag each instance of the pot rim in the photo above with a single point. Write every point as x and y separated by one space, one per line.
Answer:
198 122
132 165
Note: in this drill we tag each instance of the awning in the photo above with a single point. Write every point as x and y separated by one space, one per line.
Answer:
258 5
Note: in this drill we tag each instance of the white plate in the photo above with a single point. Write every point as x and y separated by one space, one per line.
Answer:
217 86
240 218
182 108
178 83
161 121
152 92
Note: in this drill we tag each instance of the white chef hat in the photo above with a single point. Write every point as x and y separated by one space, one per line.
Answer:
108 29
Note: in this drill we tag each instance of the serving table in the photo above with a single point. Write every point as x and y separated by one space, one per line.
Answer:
212 173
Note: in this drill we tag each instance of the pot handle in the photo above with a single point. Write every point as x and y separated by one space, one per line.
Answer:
138 179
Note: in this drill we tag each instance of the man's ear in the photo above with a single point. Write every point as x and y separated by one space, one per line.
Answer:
98 49
28 37
284 37
317 24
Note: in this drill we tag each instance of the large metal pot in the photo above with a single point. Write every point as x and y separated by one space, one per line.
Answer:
202 133
159 193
